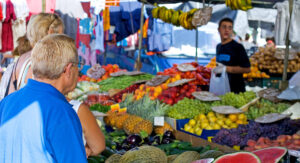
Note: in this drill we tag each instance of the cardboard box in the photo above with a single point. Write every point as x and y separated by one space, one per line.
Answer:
171 122
196 142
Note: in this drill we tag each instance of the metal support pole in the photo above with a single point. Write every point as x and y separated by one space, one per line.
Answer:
138 62
196 44
284 83
43 5
105 53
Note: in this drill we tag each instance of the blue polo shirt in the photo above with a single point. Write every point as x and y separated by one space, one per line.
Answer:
37 124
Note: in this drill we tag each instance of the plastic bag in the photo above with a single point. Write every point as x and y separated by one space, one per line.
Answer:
219 85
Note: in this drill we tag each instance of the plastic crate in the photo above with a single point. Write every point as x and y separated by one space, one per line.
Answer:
255 82
206 134
272 82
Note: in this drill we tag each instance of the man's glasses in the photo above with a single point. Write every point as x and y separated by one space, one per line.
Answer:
79 65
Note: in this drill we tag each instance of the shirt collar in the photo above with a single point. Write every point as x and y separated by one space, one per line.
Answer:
44 87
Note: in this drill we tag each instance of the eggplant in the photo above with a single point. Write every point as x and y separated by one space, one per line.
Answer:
157 140
118 146
134 140
168 134
167 141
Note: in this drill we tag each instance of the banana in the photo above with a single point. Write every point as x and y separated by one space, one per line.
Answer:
192 11
228 3
174 18
235 5
155 12
231 4
248 2
239 4
165 17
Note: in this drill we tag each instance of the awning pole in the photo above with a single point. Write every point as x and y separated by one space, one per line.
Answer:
284 83
196 44
43 6
138 62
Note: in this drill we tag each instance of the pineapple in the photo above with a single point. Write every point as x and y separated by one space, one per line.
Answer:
162 129
121 119
143 125
110 119
130 123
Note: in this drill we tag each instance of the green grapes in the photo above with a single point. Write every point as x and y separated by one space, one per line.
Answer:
264 107
188 108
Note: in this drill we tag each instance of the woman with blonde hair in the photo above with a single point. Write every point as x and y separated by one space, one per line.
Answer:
38 27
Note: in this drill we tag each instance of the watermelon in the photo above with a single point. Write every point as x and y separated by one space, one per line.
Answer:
271 154
238 157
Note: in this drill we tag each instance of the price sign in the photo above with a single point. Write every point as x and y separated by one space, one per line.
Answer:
115 108
159 121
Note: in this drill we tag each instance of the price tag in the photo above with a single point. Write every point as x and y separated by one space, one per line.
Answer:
159 121
123 110
115 107
236 147
210 138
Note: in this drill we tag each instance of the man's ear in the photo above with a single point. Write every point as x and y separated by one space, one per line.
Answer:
68 70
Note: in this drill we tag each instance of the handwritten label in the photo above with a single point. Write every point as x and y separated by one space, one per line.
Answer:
236 147
115 107
159 121
210 138
123 110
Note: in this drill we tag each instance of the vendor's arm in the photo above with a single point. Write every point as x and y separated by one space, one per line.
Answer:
94 137
237 69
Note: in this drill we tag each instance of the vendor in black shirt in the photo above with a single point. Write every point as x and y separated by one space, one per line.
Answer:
233 56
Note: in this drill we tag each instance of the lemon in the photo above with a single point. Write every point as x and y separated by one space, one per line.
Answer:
220 122
220 115
201 116
210 114
245 122
192 122
216 127
234 125
204 124
225 126
233 117
240 122
242 117
208 127
197 129
204 120
228 122
192 130
187 127
199 132
212 119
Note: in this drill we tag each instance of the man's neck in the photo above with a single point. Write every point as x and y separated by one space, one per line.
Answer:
226 41
55 83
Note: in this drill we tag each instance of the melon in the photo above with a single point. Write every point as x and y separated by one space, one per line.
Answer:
211 154
115 158
145 154
271 154
171 158
238 157
188 156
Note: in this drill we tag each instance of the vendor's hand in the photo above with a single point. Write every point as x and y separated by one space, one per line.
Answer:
219 69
